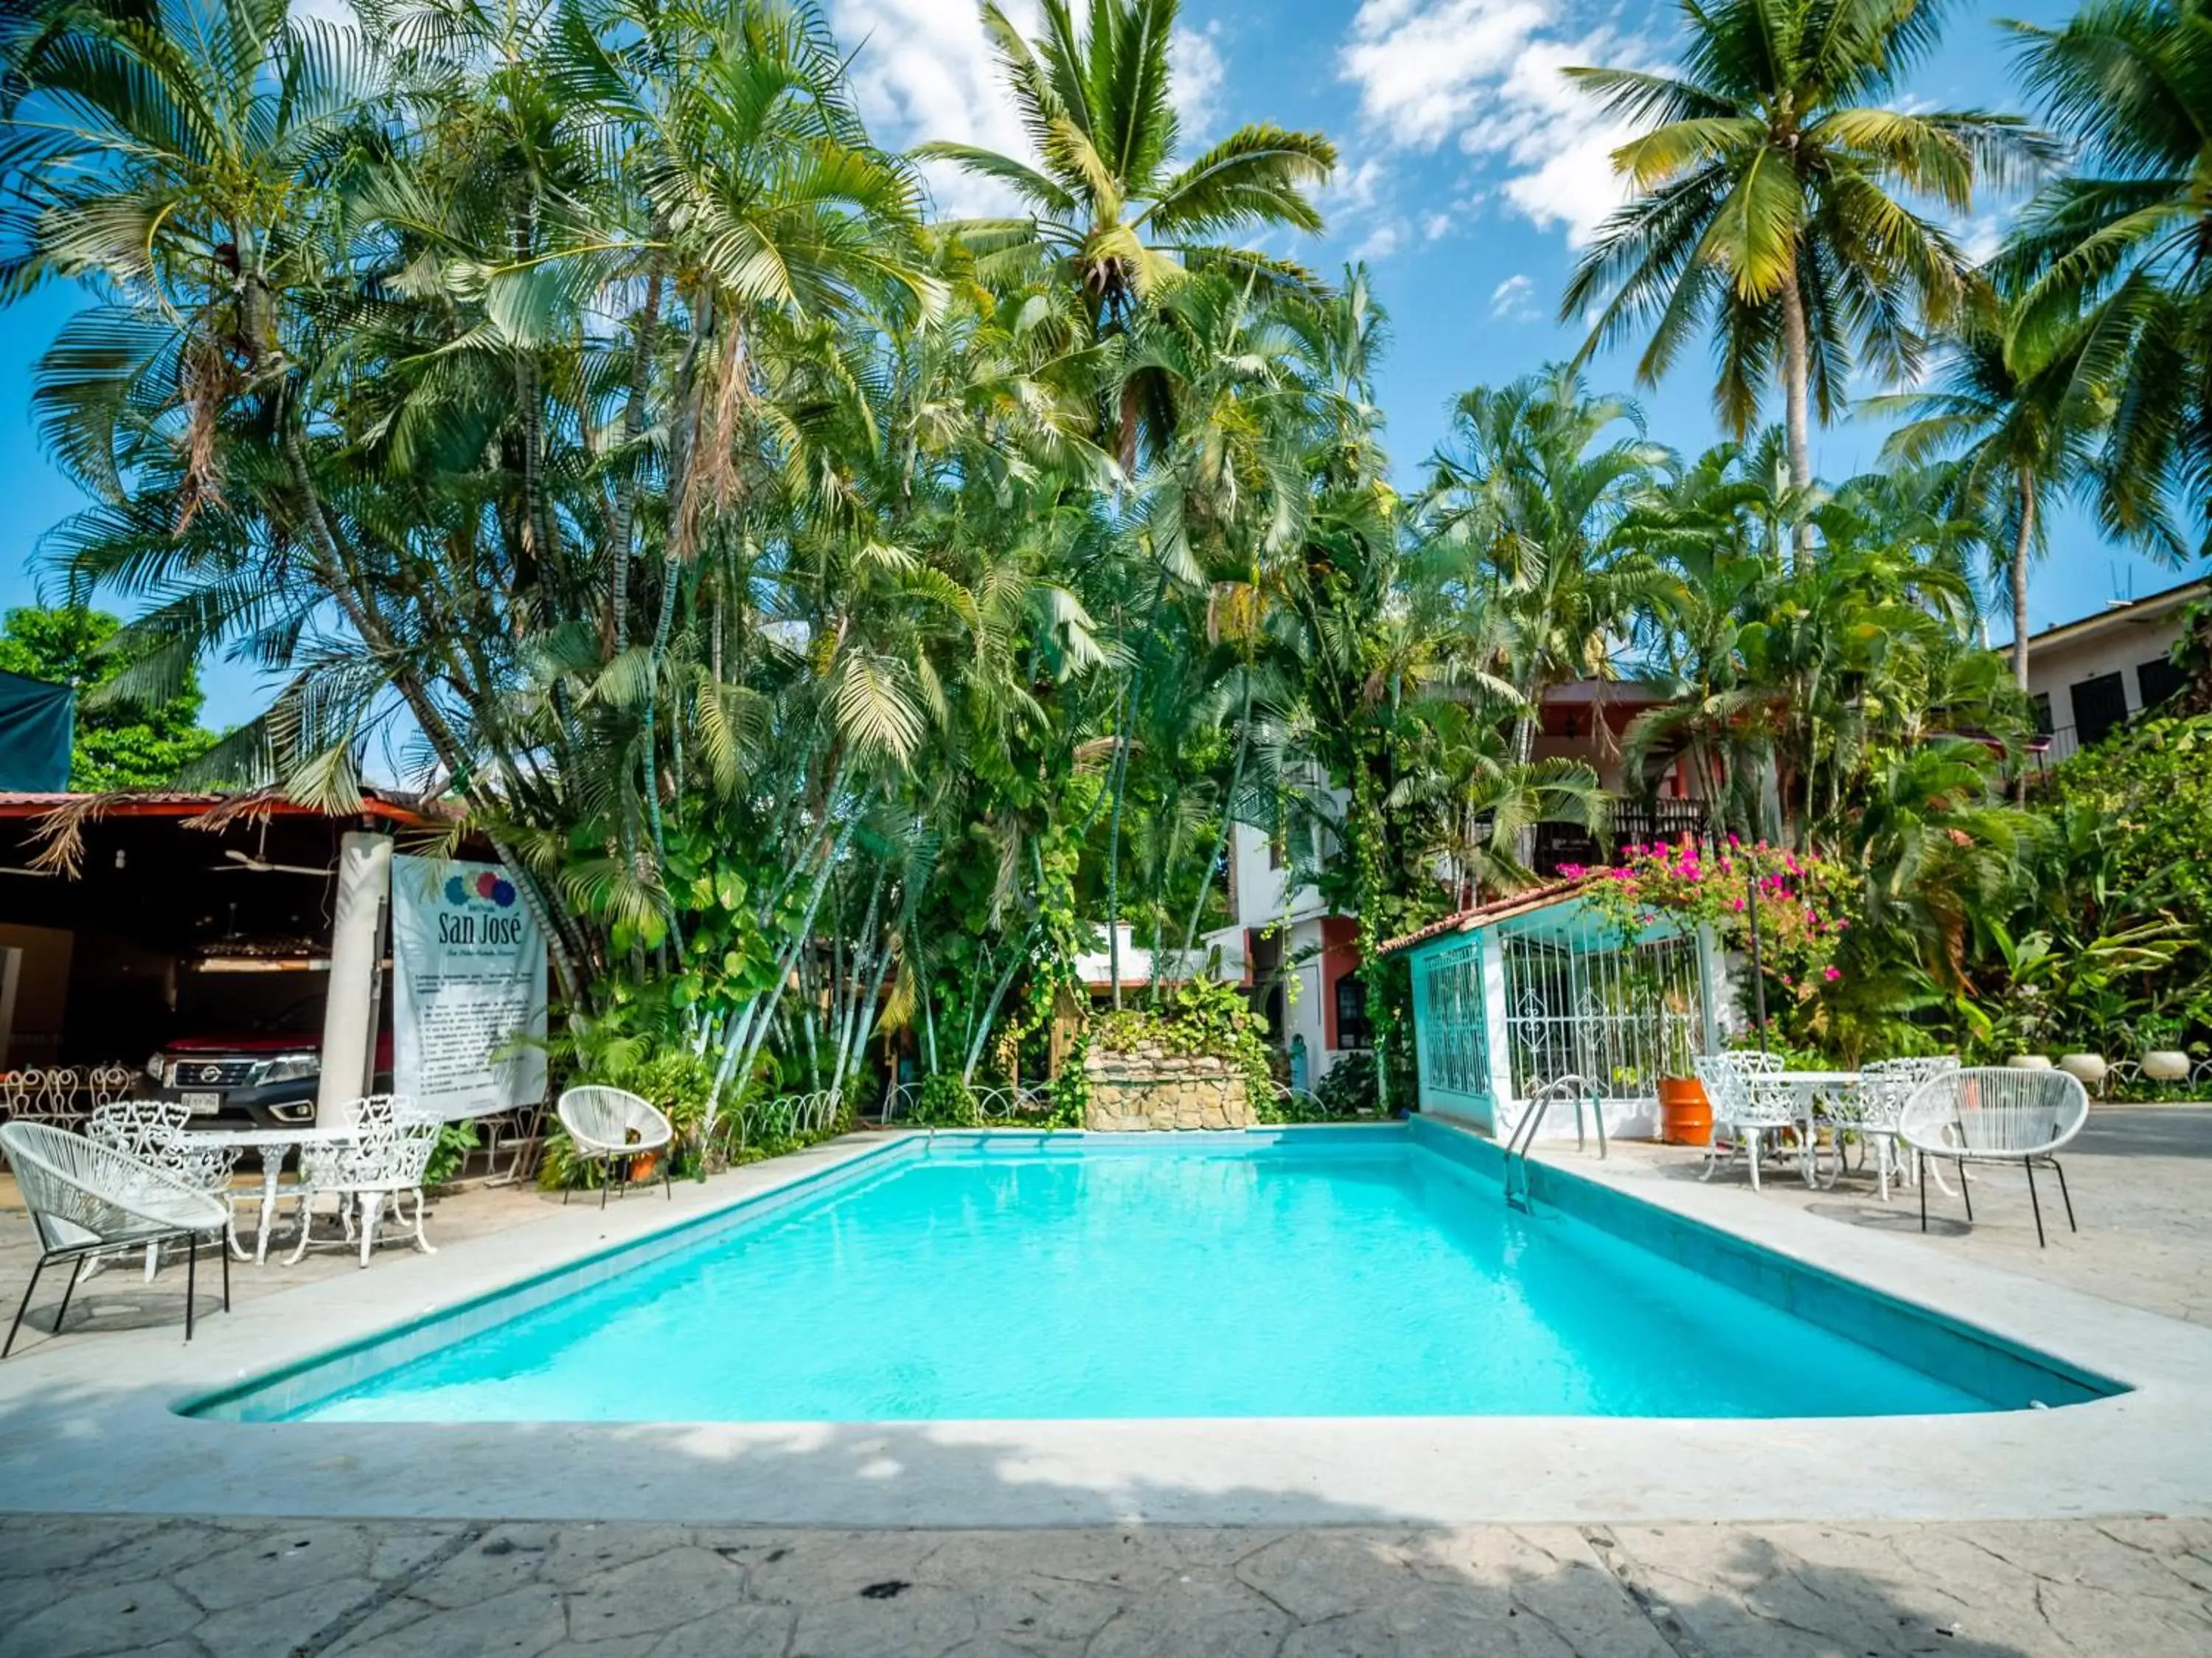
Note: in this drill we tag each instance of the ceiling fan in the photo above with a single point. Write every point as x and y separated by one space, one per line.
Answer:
246 860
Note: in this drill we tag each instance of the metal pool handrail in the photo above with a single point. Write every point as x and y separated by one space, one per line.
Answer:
1524 1131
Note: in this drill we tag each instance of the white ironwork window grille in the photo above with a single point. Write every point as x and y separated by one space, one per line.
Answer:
1579 1002
1454 1039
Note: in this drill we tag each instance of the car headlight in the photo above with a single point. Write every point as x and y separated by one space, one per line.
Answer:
290 1067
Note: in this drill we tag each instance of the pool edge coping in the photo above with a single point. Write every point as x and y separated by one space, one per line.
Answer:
79 1440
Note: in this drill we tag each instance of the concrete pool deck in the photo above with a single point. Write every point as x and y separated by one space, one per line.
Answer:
87 1424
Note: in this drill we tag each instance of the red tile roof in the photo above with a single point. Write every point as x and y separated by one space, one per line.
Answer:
1498 909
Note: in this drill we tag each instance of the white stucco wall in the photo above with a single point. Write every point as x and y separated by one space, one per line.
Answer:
2121 645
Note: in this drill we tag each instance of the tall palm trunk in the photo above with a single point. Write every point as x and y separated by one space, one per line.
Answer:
1795 370
2022 544
1228 819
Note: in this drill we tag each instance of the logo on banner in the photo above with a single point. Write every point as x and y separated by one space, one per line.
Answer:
472 913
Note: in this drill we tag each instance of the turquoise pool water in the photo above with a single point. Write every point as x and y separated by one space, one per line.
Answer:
1358 1277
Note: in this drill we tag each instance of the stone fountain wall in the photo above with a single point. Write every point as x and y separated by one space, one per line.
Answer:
1149 1087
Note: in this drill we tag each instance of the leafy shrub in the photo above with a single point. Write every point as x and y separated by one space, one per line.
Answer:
946 1101
1349 1088
455 1142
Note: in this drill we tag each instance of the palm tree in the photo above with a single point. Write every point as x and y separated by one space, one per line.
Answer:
2113 258
1108 205
1530 490
1769 175
2021 439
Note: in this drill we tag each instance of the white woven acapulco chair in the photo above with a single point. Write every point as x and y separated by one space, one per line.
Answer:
1742 1105
606 1124
1993 1115
384 1163
150 1130
85 1199
1884 1087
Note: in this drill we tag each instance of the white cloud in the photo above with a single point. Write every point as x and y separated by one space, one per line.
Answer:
1488 73
1380 242
1435 226
1514 298
922 69
1196 74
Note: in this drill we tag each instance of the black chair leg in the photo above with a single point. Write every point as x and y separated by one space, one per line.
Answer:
22 1306
1920 1180
1965 1191
63 1312
223 1249
192 1278
667 1189
606 1174
2059 1169
2034 1202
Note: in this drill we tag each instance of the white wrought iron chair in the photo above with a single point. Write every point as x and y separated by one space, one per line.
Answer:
606 1126
150 1130
87 1199
1747 1104
1873 1110
384 1163
1990 1114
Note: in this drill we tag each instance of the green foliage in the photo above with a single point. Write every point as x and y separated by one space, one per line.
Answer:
945 1101
1349 1090
122 742
455 1142
1204 1017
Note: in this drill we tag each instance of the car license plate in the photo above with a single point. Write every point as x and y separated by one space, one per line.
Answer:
204 1103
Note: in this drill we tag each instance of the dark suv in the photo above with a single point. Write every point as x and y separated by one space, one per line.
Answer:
269 1078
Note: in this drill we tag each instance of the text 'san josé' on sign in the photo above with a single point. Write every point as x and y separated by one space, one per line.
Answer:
468 990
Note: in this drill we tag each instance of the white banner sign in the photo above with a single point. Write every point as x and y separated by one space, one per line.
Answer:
468 979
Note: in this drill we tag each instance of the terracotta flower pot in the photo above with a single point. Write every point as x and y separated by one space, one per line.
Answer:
642 1165
1685 1115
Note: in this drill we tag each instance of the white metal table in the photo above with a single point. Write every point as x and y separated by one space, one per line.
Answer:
1816 1089
269 1144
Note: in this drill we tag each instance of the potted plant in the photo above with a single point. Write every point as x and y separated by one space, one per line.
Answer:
1685 1115
2159 1050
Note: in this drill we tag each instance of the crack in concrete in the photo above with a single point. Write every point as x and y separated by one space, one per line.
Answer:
362 1610
1623 1568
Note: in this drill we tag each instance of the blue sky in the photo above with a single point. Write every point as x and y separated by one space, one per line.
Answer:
1468 174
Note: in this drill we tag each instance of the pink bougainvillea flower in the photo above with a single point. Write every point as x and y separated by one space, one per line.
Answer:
1832 974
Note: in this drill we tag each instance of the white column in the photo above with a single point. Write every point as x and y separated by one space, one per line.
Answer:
356 949
1504 1110
1712 984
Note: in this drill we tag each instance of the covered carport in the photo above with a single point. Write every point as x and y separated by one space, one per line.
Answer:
129 921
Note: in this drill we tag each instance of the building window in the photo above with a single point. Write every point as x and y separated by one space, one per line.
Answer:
1455 1044
1352 1026
2158 680
2099 706
2042 713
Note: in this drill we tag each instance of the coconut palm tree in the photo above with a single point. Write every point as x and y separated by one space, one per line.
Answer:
2112 259
1530 490
1772 187
1108 205
2020 440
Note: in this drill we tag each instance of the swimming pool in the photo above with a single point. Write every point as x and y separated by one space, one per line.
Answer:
1337 1273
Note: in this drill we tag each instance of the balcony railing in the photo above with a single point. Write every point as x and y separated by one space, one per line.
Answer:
1633 825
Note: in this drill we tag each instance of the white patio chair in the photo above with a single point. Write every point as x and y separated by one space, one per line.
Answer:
384 1163
87 1199
1996 1115
150 1130
1747 1105
1884 1087
606 1124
